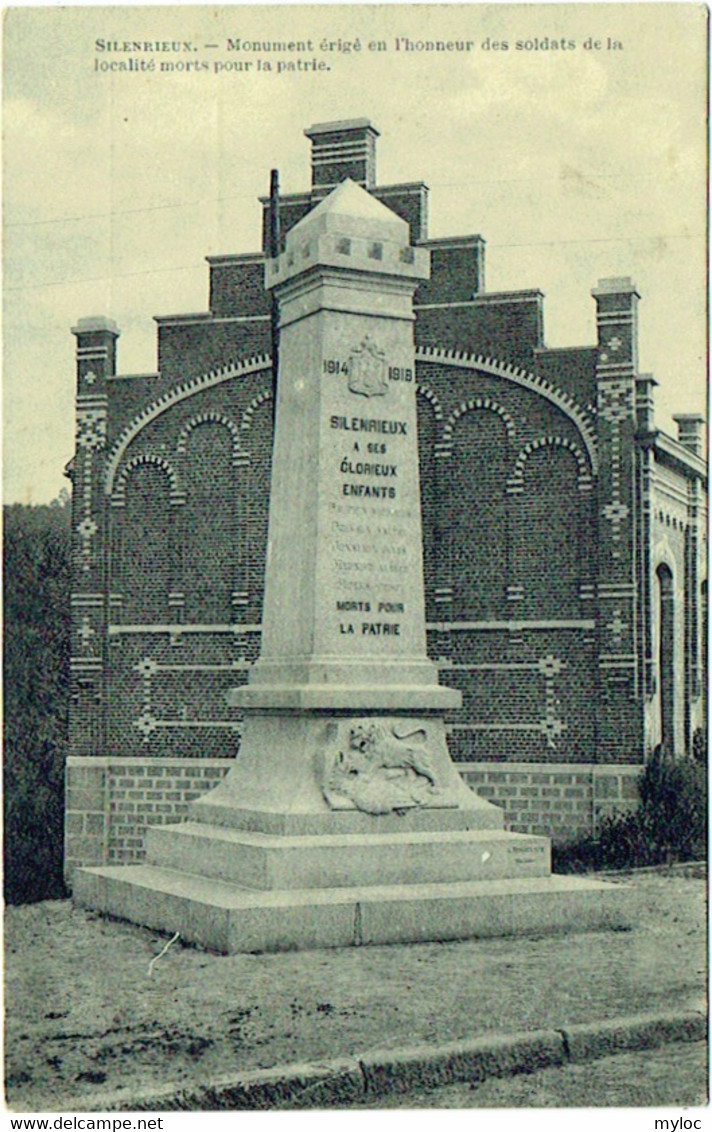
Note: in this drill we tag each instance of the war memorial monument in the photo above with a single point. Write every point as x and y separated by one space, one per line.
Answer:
343 820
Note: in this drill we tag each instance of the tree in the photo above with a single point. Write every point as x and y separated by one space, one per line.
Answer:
36 588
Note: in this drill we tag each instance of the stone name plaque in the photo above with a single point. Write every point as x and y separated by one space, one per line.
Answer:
371 576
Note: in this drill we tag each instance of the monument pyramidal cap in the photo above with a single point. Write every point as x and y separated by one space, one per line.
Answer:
343 820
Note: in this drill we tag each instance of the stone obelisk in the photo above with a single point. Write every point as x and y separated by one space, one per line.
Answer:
343 709
343 820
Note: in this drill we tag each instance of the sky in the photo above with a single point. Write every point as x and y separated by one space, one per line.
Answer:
574 163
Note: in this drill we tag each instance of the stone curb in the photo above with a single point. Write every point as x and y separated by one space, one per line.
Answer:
636 1031
343 1082
676 869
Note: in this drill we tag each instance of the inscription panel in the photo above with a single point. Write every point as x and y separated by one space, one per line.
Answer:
370 589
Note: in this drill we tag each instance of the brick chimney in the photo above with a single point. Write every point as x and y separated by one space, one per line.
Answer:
689 431
343 149
645 385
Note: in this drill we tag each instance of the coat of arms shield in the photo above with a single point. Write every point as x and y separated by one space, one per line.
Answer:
367 369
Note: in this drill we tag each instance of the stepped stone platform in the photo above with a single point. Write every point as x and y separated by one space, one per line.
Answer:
245 890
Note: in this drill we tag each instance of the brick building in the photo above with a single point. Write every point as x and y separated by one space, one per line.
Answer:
564 541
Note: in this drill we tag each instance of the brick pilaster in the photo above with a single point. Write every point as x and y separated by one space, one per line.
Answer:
96 362
621 718
646 433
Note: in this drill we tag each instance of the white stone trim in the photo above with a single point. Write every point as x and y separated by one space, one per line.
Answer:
518 376
173 397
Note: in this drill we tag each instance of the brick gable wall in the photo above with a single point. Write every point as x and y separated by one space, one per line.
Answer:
545 517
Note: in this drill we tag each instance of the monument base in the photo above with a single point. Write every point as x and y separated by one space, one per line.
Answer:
231 919
280 862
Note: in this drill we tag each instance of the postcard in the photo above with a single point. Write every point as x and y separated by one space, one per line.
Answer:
355 559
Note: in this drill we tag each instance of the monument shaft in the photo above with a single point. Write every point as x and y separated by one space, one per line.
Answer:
343 617
343 711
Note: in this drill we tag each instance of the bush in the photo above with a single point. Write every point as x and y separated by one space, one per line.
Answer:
699 745
670 824
36 685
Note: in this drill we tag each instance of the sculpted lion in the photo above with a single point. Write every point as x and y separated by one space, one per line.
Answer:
372 748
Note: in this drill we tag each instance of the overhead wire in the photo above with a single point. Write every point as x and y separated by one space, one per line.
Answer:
657 237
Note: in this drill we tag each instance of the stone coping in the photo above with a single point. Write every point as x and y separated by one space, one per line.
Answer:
514 767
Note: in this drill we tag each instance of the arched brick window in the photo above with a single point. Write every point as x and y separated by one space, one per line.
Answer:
666 657
428 500
548 565
704 629
143 544
258 442
209 524
475 515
